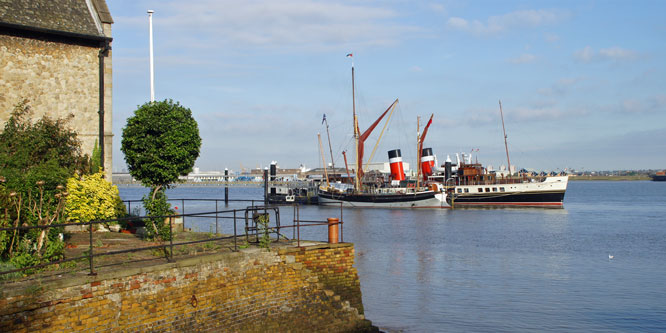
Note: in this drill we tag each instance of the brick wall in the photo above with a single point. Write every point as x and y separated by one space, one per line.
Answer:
302 290
58 79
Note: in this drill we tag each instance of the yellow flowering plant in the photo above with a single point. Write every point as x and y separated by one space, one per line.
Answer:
92 198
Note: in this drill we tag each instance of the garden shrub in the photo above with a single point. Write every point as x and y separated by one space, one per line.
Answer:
92 198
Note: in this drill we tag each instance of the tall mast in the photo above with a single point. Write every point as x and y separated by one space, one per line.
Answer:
418 152
357 183
506 146
329 144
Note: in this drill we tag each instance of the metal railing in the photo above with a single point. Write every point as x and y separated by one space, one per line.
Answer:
235 215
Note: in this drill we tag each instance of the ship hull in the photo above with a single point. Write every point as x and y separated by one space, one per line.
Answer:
427 199
549 193
659 178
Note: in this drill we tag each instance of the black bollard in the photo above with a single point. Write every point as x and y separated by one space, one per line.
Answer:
266 187
226 186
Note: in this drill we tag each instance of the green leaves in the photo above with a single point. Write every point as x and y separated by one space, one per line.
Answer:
160 142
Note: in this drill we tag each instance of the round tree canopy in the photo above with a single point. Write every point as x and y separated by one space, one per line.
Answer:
160 142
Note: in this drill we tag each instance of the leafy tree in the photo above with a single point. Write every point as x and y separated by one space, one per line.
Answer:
35 161
160 142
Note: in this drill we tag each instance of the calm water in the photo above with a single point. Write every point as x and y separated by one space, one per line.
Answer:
505 270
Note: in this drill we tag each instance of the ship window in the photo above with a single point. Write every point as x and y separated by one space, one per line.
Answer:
459 190
487 189
480 189
466 190
494 189
502 189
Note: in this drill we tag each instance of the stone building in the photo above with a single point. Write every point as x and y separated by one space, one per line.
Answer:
57 55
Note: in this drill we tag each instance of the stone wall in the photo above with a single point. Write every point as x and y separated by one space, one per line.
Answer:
58 79
302 290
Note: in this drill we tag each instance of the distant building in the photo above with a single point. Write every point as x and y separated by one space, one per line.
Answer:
56 54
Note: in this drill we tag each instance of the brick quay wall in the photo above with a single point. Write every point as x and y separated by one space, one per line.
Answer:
314 288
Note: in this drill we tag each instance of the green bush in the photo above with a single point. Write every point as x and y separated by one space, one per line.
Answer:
36 159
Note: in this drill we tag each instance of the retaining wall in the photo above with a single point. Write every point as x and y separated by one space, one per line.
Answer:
300 290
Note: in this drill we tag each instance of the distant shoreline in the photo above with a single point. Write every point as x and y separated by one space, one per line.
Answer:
261 184
610 178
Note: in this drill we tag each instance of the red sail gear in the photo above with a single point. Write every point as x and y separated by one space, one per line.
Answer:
364 136
425 131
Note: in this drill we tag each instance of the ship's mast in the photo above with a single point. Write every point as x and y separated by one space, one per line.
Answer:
329 145
357 183
506 146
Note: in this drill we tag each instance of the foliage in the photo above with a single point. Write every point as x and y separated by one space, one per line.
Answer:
92 198
95 160
264 230
160 142
35 161
157 207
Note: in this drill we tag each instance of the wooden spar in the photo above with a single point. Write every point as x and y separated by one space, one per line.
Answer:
506 145
323 159
381 134
418 152
346 166
329 144
419 146
357 184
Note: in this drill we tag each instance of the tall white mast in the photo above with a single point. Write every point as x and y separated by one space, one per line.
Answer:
506 145
152 72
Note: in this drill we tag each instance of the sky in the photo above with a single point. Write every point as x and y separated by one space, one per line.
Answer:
582 83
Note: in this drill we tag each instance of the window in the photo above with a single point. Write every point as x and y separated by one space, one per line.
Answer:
459 190
502 189
494 189
487 189
466 190
480 189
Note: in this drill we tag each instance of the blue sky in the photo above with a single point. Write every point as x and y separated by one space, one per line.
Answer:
582 83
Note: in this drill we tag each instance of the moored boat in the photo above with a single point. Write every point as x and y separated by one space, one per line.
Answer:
660 176
379 192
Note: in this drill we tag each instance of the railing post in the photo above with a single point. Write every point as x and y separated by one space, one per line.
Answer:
216 233
235 236
298 225
90 255
171 236
182 204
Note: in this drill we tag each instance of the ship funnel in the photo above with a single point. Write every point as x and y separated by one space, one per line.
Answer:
427 162
395 160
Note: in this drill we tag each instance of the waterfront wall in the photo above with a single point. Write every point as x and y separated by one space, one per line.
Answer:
300 290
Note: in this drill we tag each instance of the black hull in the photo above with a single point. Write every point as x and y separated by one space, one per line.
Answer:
522 199
377 198
658 178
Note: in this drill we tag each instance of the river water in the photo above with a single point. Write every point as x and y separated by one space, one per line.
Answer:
502 270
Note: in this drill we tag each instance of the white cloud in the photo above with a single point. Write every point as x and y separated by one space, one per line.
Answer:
299 24
561 87
514 20
523 59
615 53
